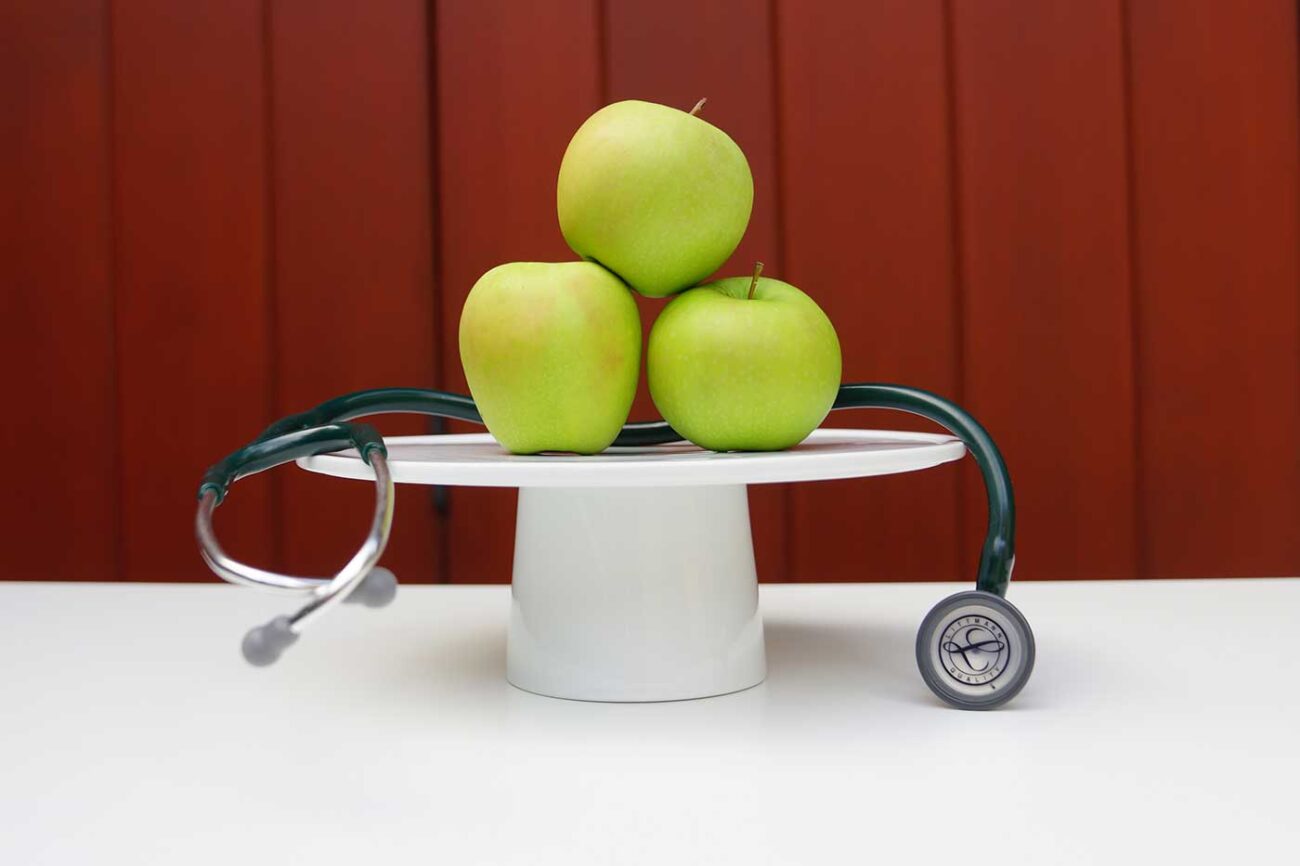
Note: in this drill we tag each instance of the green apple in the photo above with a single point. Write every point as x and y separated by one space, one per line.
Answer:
743 364
657 195
551 353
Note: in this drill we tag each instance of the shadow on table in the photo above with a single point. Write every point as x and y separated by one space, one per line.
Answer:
818 660
817 670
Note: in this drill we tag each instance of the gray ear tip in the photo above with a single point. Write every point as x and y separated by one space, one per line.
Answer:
377 589
263 645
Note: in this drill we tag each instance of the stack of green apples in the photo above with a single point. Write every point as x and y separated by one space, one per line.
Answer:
654 200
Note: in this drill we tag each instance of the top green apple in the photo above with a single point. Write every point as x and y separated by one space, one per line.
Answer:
657 195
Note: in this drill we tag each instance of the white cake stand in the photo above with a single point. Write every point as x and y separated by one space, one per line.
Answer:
634 570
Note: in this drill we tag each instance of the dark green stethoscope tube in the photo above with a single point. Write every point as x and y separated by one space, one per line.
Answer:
324 428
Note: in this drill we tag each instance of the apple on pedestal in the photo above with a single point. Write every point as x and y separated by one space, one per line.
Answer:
743 364
551 353
657 195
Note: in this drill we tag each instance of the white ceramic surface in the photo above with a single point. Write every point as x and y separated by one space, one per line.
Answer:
476 460
634 594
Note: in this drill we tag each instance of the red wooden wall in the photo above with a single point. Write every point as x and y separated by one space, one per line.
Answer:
1078 219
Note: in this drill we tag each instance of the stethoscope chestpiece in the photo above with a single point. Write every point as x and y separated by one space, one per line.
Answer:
975 650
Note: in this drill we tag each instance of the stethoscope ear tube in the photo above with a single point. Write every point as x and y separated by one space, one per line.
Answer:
358 581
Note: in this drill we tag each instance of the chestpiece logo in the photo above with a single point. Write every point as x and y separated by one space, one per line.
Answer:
974 650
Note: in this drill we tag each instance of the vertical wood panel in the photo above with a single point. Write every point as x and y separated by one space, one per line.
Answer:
720 49
1048 364
1215 149
864 160
515 80
353 250
257 176
56 311
192 325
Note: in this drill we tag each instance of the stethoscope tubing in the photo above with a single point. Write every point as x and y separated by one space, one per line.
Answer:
326 428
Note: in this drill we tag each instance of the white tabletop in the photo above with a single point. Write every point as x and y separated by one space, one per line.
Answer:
1162 722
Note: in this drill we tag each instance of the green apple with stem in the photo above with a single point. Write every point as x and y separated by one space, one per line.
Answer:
743 364
659 196
551 353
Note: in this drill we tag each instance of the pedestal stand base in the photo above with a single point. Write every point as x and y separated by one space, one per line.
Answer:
634 594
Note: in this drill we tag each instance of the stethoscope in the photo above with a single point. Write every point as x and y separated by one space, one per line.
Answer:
963 638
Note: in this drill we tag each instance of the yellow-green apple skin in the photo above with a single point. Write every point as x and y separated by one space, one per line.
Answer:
731 373
657 195
551 353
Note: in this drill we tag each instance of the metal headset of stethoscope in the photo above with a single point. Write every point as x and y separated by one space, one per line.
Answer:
325 428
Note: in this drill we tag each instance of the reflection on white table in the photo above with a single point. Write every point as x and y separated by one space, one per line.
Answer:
1161 724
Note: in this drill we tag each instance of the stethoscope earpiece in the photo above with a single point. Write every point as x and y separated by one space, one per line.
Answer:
377 589
263 645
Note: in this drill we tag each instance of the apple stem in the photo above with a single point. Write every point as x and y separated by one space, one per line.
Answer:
753 284
698 106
